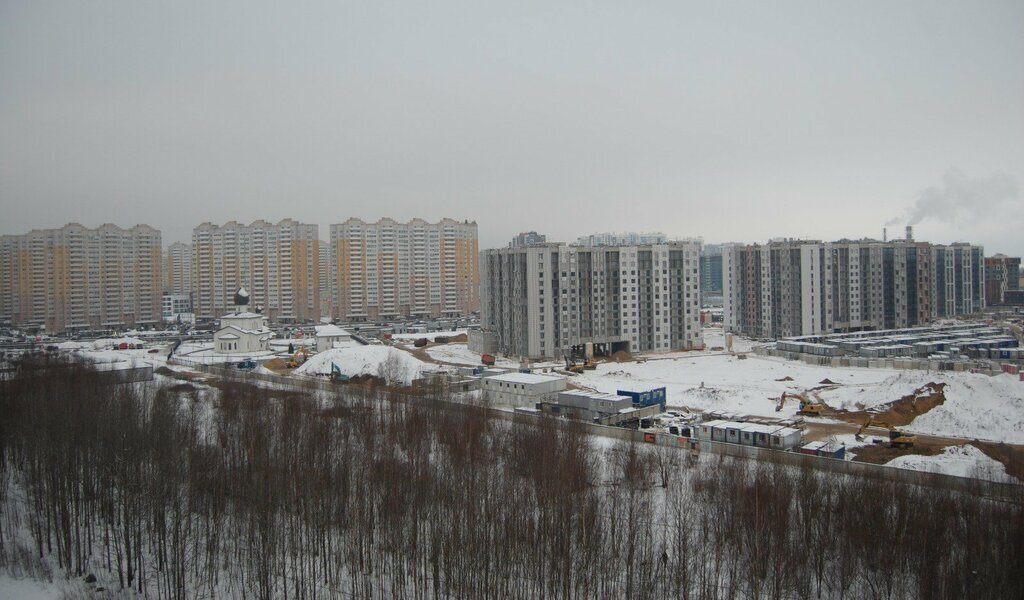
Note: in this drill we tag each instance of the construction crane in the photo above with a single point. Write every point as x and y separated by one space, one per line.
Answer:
294 362
897 438
808 406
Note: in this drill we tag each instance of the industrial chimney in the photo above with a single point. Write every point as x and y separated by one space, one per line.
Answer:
910 233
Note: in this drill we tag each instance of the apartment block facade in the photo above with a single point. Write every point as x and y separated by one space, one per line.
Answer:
553 299
177 269
278 263
390 269
76 278
805 287
1002 274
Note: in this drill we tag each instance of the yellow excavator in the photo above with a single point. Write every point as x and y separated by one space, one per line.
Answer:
809 407
897 438
294 362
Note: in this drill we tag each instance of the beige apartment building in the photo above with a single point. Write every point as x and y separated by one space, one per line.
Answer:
390 269
278 263
80 278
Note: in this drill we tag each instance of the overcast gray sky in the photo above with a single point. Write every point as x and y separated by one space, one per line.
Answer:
732 121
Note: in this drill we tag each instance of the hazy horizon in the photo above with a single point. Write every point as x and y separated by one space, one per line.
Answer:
738 122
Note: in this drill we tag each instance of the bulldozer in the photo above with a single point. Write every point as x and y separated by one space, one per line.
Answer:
808 407
897 438
572 366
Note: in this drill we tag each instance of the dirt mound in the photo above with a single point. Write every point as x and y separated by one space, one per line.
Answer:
164 371
902 411
827 381
182 388
366 379
276 364
786 378
1011 456
459 338
621 356
881 453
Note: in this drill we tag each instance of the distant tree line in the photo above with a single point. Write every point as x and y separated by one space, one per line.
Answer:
261 493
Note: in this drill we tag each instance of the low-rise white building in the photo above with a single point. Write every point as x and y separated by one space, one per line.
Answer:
521 389
332 336
242 332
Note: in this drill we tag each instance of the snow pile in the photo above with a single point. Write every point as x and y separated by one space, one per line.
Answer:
108 343
962 461
365 360
460 354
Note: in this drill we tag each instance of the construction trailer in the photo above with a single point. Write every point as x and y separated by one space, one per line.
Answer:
650 397
786 438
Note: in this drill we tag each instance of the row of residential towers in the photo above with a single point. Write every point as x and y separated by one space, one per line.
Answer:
799 287
112 278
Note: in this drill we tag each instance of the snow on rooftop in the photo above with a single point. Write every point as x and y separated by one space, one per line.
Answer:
527 378
330 331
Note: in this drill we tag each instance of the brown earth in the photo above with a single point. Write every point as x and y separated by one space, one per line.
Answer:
1012 456
620 356
902 411
459 338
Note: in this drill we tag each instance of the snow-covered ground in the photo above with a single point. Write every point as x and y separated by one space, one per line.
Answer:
365 360
29 589
460 354
977 406
748 386
963 461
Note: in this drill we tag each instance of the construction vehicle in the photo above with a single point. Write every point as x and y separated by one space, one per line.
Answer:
294 362
247 365
897 438
809 407
336 374
572 366
487 359
590 364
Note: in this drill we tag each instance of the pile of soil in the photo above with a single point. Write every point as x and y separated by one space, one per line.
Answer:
880 454
276 364
827 381
1011 456
182 388
621 356
459 338
906 409
786 378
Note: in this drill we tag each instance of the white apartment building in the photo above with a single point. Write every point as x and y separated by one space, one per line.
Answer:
277 262
555 299
80 278
390 269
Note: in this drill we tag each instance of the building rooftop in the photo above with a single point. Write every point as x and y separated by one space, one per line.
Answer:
528 378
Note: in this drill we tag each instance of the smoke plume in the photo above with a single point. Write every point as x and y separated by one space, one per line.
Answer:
961 198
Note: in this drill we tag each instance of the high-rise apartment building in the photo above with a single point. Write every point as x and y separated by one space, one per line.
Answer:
527 238
554 299
177 269
80 278
391 269
711 269
1002 274
800 287
278 263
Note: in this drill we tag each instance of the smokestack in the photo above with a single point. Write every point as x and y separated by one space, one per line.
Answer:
910 233
884 236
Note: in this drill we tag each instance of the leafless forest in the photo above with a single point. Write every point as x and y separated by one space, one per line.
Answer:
250 492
